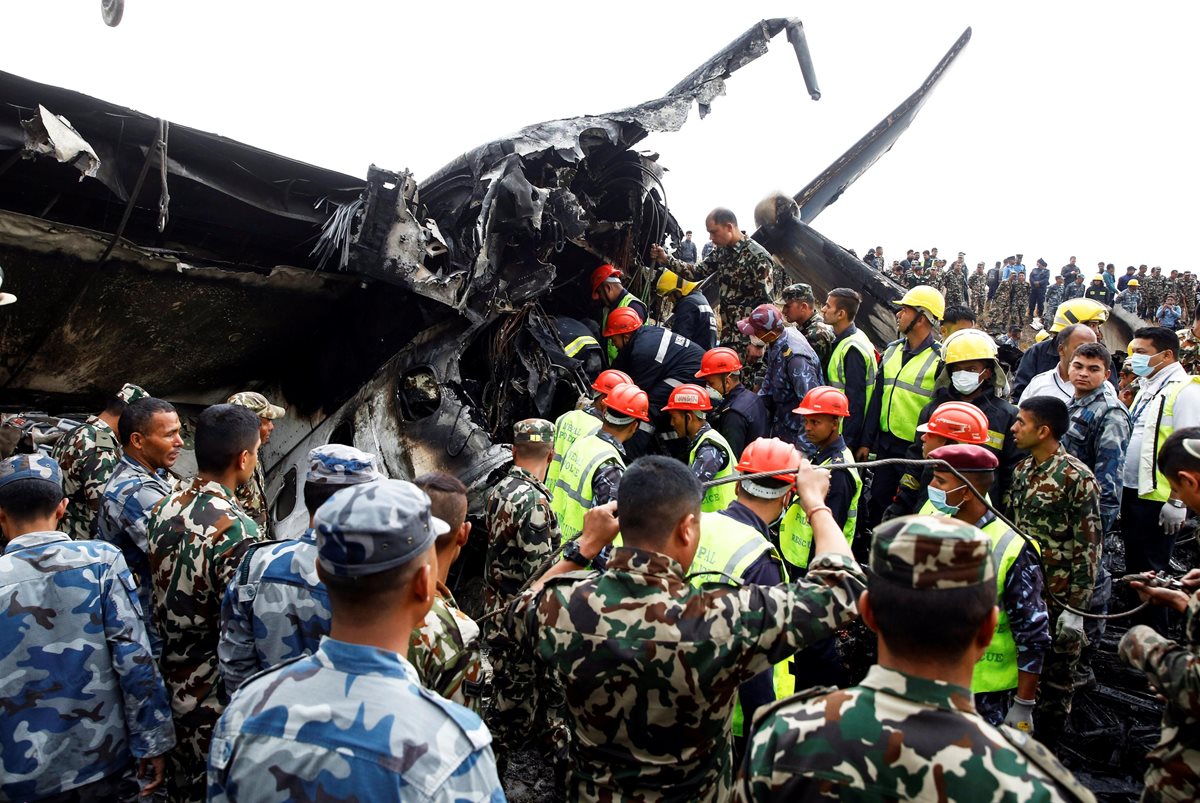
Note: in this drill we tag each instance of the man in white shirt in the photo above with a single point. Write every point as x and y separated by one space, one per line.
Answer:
1151 514
1055 382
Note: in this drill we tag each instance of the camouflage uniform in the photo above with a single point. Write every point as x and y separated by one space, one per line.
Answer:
754 373
1054 297
1058 504
793 369
744 271
1187 289
898 736
522 534
819 334
1153 291
1129 300
446 652
1189 351
131 492
276 608
1098 434
977 284
1173 670
954 287
352 721
652 665
197 536
252 495
82 695
1018 305
998 309
1073 290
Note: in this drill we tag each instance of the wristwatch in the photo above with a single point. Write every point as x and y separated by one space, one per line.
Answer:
572 553
1175 503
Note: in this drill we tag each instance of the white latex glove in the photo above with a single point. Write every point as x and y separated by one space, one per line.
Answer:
1171 518
1020 716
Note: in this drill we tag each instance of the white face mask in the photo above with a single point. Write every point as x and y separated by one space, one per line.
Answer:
965 381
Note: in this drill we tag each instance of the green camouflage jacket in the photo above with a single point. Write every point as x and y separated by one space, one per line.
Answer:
87 455
522 534
446 652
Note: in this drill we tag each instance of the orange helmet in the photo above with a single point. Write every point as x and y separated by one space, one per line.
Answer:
721 360
688 397
609 379
622 321
770 454
601 275
958 421
824 401
628 399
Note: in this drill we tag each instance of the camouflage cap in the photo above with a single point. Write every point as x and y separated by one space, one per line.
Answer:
928 552
336 464
370 528
37 466
533 430
800 291
257 404
129 393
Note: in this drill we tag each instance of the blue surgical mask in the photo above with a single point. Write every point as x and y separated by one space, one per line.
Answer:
1140 363
938 497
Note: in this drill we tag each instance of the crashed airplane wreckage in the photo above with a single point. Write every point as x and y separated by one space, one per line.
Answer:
415 321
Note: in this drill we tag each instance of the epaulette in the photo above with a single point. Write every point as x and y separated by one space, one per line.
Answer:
244 567
1040 755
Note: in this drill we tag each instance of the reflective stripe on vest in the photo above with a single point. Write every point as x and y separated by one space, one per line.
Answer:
795 533
907 389
727 549
996 669
837 362
578 344
568 428
572 495
717 497
1164 425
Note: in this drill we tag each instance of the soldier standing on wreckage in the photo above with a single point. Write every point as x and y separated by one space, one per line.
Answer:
352 721
1173 668
909 730
276 608
88 454
197 537
83 698
445 649
1054 498
252 495
651 665
744 270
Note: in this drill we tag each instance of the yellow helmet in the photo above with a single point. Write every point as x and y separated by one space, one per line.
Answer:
1134 283
926 298
1098 277
969 344
1078 310
1041 335
670 281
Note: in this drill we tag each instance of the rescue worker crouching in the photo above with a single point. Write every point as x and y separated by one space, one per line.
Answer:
709 454
612 295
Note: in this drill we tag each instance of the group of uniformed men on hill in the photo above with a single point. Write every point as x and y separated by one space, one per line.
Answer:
667 566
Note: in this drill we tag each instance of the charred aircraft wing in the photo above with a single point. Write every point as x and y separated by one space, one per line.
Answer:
784 228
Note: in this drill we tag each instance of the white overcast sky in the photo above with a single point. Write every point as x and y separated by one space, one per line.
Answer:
1064 128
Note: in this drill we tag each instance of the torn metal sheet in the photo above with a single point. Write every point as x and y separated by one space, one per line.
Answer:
52 135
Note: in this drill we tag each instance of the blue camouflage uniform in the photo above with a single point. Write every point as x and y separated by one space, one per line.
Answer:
1098 434
352 721
132 491
793 369
276 607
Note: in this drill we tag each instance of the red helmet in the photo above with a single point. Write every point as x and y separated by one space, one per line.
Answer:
824 401
721 360
622 321
609 379
770 454
958 421
688 397
601 275
628 399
